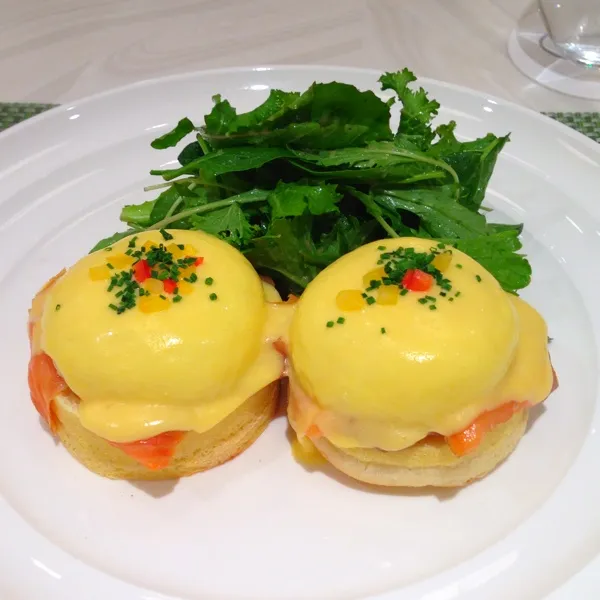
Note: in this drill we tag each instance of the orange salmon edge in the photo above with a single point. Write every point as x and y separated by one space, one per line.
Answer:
154 453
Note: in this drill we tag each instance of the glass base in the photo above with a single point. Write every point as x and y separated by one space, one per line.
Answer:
584 54
563 69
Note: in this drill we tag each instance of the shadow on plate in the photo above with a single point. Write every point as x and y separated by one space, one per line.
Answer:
156 489
535 413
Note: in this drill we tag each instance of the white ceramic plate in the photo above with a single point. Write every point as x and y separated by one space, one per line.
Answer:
262 527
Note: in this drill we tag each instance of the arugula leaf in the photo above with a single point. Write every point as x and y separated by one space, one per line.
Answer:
173 137
138 214
293 200
225 161
112 239
191 152
294 250
378 162
473 161
397 227
499 254
499 227
418 111
439 213
224 119
219 120
228 223
283 250
327 115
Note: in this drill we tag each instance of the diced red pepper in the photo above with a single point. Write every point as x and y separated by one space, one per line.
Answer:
142 271
199 261
170 285
416 280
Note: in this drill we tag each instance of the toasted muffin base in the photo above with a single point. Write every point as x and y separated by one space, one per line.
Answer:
196 452
429 462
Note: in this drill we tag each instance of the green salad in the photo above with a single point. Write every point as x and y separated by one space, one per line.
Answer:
307 177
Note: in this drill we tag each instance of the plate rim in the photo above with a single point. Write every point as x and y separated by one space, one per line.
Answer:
274 67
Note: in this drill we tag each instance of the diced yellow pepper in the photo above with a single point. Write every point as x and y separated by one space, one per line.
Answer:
188 250
388 295
154 286
152 304
350 300
120 261
175 250
374 275
100 273
185 273
442 261
185 288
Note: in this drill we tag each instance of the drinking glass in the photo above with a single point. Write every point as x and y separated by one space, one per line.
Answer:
574 28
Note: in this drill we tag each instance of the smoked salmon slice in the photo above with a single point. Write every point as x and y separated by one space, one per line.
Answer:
154 453
468 440
44 385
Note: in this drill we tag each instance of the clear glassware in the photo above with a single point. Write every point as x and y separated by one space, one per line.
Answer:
574 28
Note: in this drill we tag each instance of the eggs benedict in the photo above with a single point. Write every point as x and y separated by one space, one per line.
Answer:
410 366
154 358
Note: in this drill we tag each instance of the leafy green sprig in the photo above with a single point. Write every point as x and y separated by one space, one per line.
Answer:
307 177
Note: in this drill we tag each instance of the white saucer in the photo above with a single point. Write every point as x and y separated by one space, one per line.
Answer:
534 54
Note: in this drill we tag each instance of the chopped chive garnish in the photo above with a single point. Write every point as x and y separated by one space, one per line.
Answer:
193 278
166 235
370 300
57 307
163 297
430 298
478 277
177 298
341 320
432 307
110 266
329 324
181 246
113 307
450 299
132 242
209 281
383 330
403 292
381 248
443 294
213 297
459 266
108 249
422 301
457 294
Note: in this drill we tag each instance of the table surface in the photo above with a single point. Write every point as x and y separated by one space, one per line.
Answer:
61 50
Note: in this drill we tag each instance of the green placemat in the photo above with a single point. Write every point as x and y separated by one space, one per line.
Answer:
12 113
587 123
